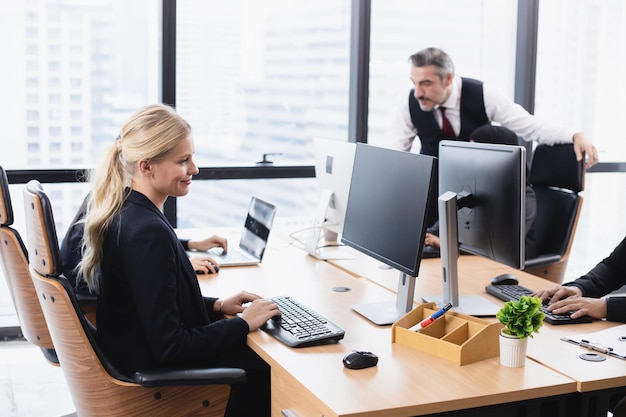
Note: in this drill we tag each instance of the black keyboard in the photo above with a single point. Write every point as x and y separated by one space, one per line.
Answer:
299 326
514 292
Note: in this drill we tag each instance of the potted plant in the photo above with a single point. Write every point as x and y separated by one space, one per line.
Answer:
521 318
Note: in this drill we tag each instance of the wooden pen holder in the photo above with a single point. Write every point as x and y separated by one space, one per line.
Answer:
454 336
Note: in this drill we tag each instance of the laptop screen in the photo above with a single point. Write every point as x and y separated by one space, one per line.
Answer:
256 231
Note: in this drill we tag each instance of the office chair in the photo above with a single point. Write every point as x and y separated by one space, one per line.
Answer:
14 259
97 388
557 179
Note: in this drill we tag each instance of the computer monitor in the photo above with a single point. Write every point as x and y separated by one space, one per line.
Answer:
481 202
385 219
333 171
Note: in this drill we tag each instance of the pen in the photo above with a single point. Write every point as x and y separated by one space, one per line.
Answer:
589 345
428 320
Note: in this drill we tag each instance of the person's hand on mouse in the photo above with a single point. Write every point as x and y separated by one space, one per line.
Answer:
204 264
209 243
557 293
256 313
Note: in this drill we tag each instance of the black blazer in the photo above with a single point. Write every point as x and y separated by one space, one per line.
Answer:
151 313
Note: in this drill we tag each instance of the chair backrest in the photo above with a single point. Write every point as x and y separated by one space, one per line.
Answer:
14 260
556 166
557 178
96 387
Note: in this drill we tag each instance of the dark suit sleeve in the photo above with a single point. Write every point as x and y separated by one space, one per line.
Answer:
616 309
209 303
607 276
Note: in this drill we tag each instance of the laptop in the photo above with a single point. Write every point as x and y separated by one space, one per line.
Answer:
256 231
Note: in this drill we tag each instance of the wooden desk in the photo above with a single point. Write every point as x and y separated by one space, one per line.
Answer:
313 382
600 382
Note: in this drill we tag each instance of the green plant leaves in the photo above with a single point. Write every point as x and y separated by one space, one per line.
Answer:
522 318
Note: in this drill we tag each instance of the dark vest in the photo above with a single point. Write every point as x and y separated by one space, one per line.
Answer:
472 117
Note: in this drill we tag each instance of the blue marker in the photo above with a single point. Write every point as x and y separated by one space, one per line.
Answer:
430 319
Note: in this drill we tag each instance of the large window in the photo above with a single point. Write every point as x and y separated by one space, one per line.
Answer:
77 69
479 36
256 77
579 59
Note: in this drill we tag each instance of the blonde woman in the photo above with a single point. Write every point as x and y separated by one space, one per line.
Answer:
151 313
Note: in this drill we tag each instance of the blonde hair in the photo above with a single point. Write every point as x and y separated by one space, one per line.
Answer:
150 134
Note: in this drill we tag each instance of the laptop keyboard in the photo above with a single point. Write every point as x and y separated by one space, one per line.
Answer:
514 292
300 326
233 256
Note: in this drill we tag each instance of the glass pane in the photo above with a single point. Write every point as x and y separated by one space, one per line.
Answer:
78 69
224 203
479 36
257 77
578 59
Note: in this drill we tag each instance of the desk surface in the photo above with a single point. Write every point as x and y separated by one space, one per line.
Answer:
545 348
549 350
312 381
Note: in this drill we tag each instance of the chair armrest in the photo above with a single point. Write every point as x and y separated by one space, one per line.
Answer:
541 261
192 376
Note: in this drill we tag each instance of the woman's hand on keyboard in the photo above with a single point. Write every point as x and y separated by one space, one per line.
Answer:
209 243
257 311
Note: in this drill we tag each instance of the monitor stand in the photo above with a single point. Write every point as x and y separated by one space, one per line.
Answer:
448 235
388 312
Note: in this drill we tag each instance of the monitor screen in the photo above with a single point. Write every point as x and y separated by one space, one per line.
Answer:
385 216
481 202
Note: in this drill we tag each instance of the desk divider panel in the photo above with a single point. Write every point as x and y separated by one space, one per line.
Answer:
454 336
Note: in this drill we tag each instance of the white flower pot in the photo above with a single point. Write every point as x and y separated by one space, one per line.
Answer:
512 350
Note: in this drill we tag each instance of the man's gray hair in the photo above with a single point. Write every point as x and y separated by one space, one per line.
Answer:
435 57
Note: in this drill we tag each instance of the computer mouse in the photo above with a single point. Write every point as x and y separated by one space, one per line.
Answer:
358 359
217 269
505 279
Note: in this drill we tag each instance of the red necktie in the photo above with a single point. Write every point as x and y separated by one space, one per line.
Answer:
445 124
